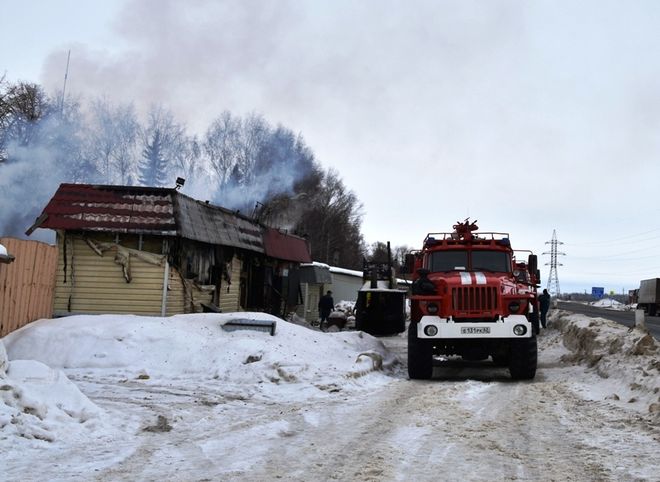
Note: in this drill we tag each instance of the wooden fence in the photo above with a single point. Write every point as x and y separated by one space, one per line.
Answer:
27 284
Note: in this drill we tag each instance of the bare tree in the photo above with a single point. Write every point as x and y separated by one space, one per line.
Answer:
333 223
378 253
111 142
22 106
125 154
252 136
189 161
221 144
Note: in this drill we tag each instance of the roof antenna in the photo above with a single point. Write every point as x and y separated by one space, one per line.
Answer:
66 75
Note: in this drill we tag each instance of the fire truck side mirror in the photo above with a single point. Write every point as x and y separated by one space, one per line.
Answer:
532 263
409 264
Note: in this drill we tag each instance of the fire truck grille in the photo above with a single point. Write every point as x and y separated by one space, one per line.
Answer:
474 299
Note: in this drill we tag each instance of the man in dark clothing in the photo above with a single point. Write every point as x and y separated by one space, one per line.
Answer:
544 302
326 305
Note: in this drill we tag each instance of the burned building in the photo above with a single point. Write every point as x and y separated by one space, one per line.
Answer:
155 251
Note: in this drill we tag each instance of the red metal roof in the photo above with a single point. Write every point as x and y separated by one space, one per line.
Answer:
125 209
285 246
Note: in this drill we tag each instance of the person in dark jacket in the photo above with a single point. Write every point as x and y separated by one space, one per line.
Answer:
326 306
544 305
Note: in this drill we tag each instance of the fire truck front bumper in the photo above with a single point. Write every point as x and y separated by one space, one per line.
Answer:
512 326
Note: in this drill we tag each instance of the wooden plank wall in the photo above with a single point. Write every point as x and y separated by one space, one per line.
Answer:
95 284
26 285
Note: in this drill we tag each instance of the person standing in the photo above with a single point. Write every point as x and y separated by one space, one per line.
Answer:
544 305
326 306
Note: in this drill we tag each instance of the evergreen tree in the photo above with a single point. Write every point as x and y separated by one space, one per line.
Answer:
153 168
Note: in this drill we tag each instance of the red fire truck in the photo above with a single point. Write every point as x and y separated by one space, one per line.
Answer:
473 297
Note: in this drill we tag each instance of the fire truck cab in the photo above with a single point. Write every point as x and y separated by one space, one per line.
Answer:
471 297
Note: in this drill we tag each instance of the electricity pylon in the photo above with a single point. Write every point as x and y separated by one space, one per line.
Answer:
553 278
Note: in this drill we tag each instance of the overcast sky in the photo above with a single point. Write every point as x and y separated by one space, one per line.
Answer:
527 116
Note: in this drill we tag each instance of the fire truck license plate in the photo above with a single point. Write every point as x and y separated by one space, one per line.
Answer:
475 330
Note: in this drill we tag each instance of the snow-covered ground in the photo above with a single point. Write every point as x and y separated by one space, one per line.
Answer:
126 397
610 304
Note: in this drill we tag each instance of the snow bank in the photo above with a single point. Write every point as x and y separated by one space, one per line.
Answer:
37 402
626 357
194 345
610 304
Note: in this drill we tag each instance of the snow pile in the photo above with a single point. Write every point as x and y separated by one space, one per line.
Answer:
346 311
627 357
197 346
300 321
192 353
342 318
347 307
609 304
36 402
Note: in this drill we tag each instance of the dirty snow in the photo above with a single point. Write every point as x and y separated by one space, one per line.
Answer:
126 397
626 360
610 304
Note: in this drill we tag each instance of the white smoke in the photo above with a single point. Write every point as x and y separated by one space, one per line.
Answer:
26 185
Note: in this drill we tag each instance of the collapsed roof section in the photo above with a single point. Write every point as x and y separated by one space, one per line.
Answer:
163 212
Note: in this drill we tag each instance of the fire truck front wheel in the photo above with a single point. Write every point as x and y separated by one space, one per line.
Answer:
420 356
522 363
534 320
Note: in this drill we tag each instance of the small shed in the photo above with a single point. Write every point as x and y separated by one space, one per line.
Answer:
155 251
345 283
313 278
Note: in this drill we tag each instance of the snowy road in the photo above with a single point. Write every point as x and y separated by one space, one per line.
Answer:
469 423
466 429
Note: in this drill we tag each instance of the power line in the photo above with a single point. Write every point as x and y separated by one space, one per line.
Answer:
553 278
618 241
617 257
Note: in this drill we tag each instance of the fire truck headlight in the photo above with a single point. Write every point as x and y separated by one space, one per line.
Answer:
519 330
514 306
432 308
430 330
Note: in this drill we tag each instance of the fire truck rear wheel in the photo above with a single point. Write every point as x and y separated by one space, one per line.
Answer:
420 356
522 364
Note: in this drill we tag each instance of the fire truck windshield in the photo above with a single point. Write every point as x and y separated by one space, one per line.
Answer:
459 260
497 261
448 261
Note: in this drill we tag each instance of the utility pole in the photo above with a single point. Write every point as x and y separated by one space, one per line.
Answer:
66 75
553 278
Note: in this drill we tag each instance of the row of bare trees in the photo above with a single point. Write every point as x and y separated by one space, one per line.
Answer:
239 162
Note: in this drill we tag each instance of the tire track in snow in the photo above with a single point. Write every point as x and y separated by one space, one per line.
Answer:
486 429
